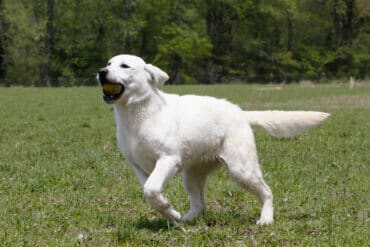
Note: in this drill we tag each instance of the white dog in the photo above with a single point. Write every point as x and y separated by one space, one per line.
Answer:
162 134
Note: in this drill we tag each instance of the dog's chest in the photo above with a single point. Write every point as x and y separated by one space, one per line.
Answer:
139 150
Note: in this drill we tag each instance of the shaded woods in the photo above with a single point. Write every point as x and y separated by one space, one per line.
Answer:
63 43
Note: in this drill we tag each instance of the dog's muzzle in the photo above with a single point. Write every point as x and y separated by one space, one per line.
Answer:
112 91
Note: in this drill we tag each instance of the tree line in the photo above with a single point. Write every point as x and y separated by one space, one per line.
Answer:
64 42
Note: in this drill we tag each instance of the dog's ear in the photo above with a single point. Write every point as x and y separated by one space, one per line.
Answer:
158 76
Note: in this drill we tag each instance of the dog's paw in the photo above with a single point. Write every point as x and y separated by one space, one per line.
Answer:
176 215
172 215
265 221
189 217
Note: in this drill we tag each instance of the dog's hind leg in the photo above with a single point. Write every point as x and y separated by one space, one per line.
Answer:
194 179
240 155
165 168
256 185
141 176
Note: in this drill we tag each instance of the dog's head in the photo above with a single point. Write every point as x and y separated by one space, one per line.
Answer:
128 78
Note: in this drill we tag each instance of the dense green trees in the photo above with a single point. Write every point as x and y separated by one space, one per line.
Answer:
63 43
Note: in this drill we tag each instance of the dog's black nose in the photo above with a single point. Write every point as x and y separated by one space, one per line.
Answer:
102 73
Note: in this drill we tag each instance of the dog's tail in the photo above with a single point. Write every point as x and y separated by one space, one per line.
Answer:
285 123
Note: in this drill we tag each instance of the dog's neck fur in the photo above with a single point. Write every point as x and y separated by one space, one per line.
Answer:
131 115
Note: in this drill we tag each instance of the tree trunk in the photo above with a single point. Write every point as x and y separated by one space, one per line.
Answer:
126 16
277 35
336 25
2 44
349 21
216 27
220 18
45 77
290 31
177 60
176 70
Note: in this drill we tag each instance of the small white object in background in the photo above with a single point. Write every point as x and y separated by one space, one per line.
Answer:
351 82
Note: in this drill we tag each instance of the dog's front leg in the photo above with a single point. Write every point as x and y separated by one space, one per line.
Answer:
165 168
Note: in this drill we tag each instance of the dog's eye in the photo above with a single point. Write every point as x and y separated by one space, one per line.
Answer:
124 66
109 64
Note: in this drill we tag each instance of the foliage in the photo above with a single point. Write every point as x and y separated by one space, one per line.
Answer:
64 183
204 41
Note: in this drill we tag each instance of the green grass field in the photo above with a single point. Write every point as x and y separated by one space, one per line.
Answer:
63 181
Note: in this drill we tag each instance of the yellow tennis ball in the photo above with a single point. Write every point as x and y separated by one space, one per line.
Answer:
112 88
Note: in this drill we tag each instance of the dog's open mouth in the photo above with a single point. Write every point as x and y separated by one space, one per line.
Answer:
112 92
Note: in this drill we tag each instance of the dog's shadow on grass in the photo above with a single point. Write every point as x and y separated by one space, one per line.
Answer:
156 225
209 219
133 229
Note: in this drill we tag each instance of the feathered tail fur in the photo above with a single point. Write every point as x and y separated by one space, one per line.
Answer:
286 123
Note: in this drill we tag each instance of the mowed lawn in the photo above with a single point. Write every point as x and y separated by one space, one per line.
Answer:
63 181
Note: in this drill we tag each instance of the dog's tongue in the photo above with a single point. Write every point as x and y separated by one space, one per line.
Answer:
112 88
